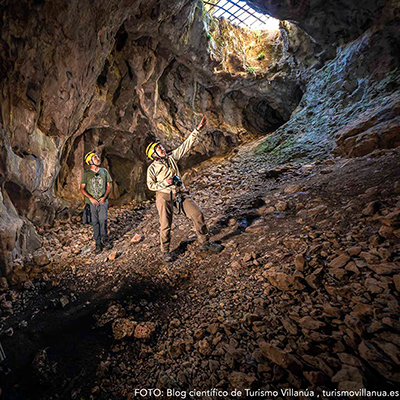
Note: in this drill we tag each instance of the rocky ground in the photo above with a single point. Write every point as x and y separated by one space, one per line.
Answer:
305 294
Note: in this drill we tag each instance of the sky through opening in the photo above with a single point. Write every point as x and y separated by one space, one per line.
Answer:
239 13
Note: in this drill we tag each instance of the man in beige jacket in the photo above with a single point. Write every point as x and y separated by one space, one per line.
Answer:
160 176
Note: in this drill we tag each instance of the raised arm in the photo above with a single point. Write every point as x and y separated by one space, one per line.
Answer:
180 151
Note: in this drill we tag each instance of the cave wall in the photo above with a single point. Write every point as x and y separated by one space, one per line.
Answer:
83 75
328 22
50 56
77 76
350 105
154 88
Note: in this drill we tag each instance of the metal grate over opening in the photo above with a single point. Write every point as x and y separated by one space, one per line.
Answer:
239 13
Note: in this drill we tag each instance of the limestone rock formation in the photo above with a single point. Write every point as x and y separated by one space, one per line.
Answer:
83 75
112 76
328 22
350 105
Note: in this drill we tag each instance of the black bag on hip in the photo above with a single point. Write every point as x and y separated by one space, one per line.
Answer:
87 215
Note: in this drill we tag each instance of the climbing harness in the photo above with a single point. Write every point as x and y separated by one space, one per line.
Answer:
178 203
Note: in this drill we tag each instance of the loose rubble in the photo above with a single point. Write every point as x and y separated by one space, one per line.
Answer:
304 295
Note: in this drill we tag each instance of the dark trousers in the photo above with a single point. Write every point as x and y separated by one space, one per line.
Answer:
99 221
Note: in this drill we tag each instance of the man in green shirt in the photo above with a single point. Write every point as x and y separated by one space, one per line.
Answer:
96 186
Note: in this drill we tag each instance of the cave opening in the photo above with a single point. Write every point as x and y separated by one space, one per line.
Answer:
261 117
241 13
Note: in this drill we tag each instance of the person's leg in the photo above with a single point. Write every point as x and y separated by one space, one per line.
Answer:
164 208
103 209
193 212
96 226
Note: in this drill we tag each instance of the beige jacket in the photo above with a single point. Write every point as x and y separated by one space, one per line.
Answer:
160 170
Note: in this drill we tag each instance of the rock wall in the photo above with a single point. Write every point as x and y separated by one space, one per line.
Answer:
350 105
77 76
328 22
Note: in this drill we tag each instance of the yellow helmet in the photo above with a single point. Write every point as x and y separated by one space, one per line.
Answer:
151 149
89 156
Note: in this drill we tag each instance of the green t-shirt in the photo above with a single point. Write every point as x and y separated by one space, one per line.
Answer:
96 183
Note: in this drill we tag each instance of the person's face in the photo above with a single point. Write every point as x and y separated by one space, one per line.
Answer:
160 151
96 160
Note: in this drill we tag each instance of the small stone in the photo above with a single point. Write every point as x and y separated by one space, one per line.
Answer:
213 329
283 281
175 322
115 254
317 210
396 281
204 347
241 381
144 330
339 262
199 333
386 231
281 357
281 206
314 280
64 301
137 238
236 265
309 323
392 219
368 257
349 373
392 323
385 268
299 262
289 326
3 283
247 257
352 267
123 327
316 378
371 208
338 273
291 189
354 251
41 259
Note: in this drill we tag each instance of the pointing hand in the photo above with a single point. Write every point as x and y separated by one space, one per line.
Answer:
202 123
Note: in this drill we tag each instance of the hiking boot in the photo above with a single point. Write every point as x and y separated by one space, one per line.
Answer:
107 243
211 247
99 248
167 257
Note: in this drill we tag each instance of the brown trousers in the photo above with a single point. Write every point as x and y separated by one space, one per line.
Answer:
165 212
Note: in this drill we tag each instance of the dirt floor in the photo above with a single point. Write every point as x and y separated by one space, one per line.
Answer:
304 296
